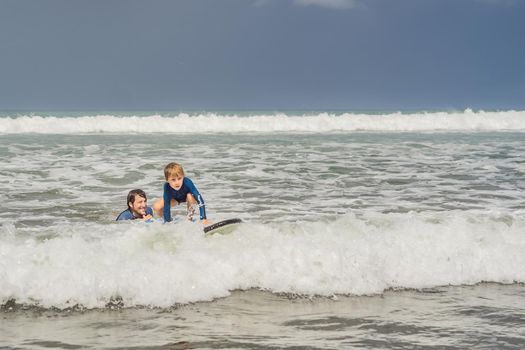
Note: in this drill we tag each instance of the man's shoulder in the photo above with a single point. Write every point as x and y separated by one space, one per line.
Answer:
149 211
125 215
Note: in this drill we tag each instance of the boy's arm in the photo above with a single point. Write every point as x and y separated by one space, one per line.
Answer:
198 197
167 205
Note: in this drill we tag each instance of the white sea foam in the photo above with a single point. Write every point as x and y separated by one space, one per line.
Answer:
161 265
467 120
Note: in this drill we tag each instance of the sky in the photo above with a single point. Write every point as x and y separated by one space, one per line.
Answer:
262 54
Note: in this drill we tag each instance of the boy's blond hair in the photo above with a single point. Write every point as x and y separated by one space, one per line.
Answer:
173 169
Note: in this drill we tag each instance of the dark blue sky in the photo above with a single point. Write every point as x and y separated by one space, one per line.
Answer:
262 54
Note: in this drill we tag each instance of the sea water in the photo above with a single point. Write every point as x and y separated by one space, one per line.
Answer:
362 230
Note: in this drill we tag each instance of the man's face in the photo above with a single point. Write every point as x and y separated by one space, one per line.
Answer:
175 181
138 208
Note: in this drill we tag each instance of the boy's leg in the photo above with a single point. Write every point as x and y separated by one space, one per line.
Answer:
158 206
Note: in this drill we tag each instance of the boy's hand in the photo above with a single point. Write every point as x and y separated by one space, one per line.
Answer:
147 217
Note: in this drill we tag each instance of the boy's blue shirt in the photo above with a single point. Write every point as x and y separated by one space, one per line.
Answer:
180 196
128 215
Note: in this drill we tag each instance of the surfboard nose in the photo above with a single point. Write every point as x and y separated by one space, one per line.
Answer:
223 223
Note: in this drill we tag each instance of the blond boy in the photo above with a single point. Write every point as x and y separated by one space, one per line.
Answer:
179 189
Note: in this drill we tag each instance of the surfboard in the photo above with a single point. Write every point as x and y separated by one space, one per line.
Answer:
224 226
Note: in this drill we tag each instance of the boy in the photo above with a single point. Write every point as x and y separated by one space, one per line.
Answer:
179 189
137 207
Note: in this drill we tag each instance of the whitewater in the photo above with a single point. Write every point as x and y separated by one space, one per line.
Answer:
360 230
161 266
214 122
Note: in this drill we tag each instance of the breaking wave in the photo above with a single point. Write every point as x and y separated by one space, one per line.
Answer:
163 265
467 120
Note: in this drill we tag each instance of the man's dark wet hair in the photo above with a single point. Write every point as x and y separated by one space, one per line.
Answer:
133 193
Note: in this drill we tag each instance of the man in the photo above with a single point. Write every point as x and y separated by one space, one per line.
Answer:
137 207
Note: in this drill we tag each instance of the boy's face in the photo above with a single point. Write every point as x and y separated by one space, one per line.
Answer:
139 206
175 181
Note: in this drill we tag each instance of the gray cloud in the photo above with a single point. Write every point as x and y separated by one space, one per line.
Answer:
349 4
500 2
333 4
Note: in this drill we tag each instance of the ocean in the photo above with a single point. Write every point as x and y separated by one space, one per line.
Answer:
362 230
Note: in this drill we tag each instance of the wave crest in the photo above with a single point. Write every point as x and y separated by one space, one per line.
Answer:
467 120
162 265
